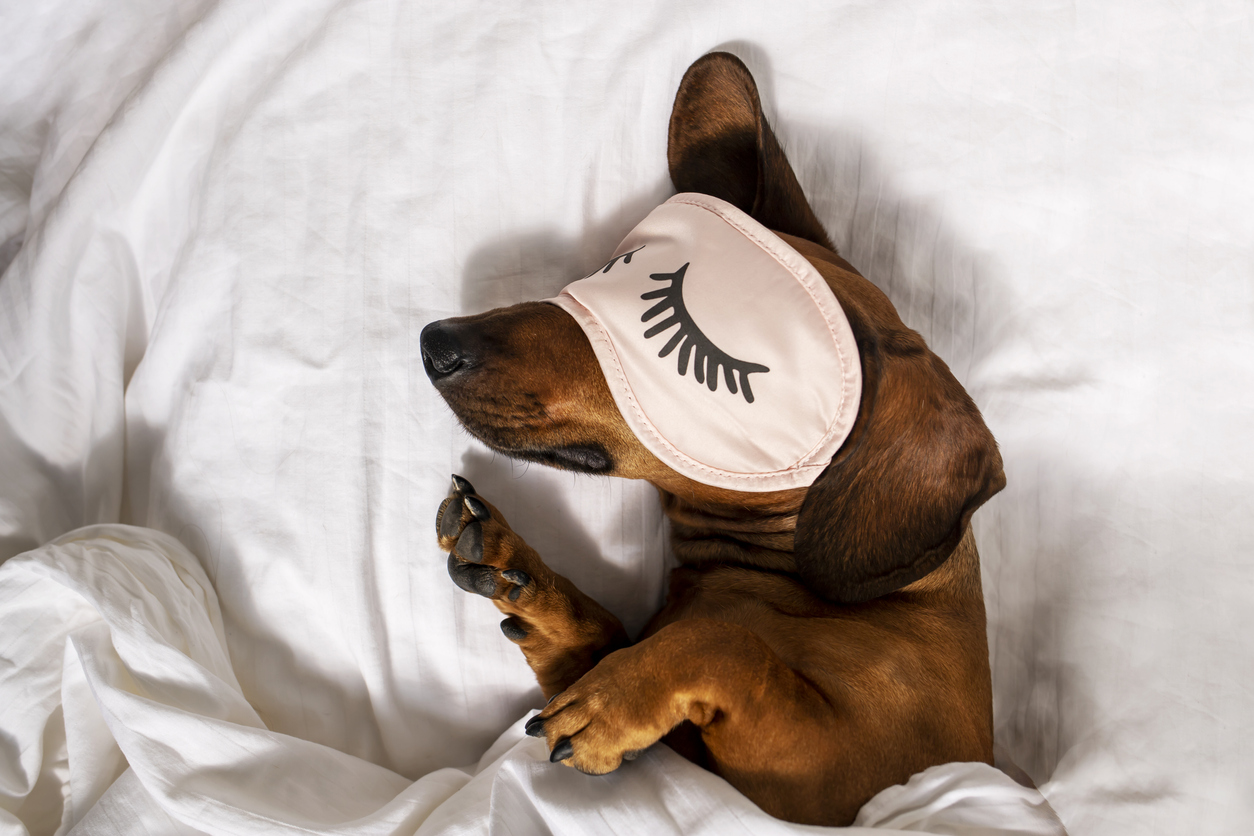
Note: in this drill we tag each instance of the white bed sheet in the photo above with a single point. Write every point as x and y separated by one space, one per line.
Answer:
228 222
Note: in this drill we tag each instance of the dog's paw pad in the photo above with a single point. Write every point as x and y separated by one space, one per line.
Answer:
448 520
513 629
459 522
470 543
472 577
484 551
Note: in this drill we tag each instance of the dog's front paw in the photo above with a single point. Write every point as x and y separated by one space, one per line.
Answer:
486 557
560 630
613 713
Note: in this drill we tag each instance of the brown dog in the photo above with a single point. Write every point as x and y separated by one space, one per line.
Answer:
817 645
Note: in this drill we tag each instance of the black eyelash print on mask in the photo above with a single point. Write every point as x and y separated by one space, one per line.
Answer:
626 257
708 357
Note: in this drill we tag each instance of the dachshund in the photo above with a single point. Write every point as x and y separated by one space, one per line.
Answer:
818 643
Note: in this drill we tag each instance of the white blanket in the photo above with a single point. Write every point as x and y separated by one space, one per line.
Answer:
226 223
120 660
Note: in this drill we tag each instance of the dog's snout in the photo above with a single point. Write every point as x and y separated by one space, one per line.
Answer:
443 351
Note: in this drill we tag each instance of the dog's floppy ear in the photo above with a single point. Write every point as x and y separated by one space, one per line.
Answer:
899 494
720 144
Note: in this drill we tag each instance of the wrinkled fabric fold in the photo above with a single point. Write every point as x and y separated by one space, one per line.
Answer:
162 737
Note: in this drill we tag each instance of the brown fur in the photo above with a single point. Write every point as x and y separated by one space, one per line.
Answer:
817 645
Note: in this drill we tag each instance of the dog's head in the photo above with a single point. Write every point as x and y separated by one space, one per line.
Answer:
899 493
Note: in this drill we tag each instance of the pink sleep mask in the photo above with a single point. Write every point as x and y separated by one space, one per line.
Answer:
727 353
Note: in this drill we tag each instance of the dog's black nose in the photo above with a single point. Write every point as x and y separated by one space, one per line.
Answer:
442 351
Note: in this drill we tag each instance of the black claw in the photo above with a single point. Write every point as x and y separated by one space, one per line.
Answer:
517 576
470 543
478 508
472 577
462 484
450 516
563 750
513 630
519 579
535 727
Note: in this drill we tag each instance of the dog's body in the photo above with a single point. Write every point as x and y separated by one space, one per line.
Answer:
818 644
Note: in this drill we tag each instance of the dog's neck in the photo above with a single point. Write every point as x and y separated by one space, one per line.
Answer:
758 530
735 528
